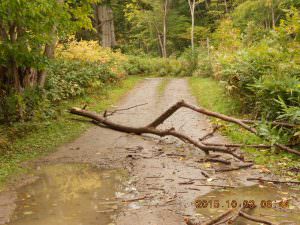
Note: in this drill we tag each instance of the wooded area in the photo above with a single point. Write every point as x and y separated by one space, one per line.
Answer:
219 79
54 50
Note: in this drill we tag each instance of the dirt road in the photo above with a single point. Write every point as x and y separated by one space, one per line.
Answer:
163 173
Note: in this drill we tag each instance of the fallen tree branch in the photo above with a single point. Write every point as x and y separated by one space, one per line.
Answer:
254 219
204 111
151 128
238 122
102 121
274 181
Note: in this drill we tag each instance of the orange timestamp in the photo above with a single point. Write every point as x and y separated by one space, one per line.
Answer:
248 204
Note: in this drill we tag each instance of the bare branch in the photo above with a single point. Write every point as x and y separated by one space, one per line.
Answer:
110 113
210 134
151 128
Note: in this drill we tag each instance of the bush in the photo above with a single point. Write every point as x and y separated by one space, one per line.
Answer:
142 65
66 79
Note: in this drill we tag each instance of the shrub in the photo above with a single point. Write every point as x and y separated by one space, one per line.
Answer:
142 65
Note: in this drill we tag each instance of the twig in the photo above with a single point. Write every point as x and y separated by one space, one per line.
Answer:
274 181
238 145
186 183
187 178
110 113
234 168
135 199
210 134
175 154
226 162
205 174
214 185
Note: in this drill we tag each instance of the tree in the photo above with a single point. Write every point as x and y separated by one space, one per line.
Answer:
192 4
104 21
29 31
165 17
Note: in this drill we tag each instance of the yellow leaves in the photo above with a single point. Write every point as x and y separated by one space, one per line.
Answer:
91 51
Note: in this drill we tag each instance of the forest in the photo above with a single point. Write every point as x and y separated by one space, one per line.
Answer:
240 59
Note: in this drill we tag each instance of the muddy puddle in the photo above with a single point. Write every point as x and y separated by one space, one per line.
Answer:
278 205
70 194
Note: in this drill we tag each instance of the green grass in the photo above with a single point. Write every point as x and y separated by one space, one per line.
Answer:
34 139
212 95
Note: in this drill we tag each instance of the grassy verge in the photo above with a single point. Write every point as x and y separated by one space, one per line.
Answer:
212 95
41 137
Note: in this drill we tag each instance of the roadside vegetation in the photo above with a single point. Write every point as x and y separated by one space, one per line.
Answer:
23 141
216 98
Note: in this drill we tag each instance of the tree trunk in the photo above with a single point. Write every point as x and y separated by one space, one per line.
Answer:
49 52
105 26
192 4
164 50
226 7
273 16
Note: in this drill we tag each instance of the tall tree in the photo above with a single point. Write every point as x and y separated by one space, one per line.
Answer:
192 4
104 19
29 32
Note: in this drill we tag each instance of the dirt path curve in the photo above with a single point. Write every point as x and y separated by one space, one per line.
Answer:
156 170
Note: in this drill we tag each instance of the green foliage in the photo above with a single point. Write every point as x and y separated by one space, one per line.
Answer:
260 67
216 98
27 140
66 79
145 23
70 78
156 66
32 24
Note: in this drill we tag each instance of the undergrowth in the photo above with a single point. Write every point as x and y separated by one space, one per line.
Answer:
212 94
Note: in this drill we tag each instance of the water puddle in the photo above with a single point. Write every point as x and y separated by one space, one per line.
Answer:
70 194
278 205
